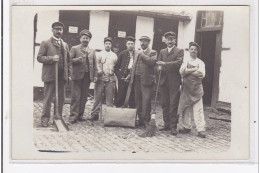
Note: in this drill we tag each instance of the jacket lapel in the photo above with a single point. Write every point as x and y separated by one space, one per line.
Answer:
147 52
171 52
54 42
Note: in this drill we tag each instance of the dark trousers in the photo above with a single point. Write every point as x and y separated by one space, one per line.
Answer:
49 93
143 97
170 96
79 96
121 94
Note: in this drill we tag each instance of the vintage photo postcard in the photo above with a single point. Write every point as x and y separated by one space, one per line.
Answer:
130 83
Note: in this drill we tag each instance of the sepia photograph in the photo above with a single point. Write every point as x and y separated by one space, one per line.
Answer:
133 82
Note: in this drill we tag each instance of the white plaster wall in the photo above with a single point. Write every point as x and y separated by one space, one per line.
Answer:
98 26
144 27
234 74
44 22
186 30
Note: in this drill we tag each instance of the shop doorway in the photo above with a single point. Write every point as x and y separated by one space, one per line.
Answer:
120 26
74 21
161 26
207 41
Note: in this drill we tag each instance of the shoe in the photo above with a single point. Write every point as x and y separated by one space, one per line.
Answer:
165 128
94 118
184 130
72 121
140 125
45 122
174 131
81 119
202 134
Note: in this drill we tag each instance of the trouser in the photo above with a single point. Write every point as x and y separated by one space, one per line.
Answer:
143 97
196 110
170 96
79 96
49 92
121 94
100 86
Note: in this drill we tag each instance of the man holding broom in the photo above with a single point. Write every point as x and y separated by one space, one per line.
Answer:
52 51
170 59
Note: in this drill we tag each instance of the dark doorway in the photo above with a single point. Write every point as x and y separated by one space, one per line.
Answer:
120 26
162 26
74 21
207 41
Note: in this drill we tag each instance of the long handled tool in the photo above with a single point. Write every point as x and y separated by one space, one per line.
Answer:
151 127
58 120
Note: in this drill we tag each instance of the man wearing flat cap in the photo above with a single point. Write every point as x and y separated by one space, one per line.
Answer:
106 61
123 68
53 50
84 71
170 60
143 77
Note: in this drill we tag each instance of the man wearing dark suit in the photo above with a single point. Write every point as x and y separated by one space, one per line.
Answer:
170 59
123 69
84 71
143 74
53 50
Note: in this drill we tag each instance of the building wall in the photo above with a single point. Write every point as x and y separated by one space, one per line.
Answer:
98 26
186 32
235 59
99 23
144 26
44 32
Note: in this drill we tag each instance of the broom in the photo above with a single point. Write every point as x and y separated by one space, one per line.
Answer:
58 120
151 127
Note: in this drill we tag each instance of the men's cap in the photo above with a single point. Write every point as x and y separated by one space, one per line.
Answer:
130 38
107 39
169 34
85 32
145 38
194 44
57 25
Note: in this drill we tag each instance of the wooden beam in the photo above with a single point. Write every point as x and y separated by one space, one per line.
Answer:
213 28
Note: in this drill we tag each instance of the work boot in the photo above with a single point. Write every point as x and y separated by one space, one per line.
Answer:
94 118
174 131
202 134
80 118
184 130
164 128
45 122
72 120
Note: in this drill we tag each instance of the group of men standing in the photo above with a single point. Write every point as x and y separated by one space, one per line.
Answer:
82 65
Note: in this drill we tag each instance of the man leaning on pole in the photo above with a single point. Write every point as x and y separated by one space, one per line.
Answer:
52 51
170 59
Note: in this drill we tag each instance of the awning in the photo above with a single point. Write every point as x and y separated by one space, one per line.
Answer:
159 14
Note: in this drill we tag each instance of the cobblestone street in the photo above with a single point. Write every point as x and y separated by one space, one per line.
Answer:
90 136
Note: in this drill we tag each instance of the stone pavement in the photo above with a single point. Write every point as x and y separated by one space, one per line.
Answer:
90 136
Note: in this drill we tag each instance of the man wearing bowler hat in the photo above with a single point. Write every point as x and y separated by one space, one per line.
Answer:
143 77
106 61
123 69
54 50
84 71
170 60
